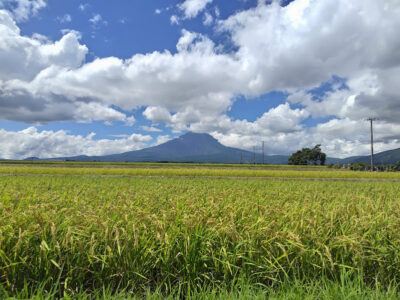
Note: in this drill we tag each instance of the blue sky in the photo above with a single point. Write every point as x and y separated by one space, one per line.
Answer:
100 77
127 28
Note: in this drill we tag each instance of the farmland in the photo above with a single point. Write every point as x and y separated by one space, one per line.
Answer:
72 230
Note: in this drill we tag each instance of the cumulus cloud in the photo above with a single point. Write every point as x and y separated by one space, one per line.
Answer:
176 82
87 112
22 10
281 119
279 122
97 20
161 139
151 129
65 18
174 19
370 94
339 138
292 49
208 19
346 137
15 107
31 142
191 8
307 42
279 48
157 114
283 131
83 6
25 60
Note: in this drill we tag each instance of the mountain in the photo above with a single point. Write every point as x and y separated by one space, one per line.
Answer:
32 158
203 148
381 158
190 147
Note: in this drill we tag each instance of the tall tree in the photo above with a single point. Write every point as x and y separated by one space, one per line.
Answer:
307 156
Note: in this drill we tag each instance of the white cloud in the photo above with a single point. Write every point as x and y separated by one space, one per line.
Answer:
22 10
158 11
372 93
339 137
309 41
349 137
25 60
174 20
292 49
200 77
65 19
175 82
129 121
283 131
151 129
217 12
44 144
161 139
280 121
208 19
83 6
87 112
119 135
191 8
97 20
157 114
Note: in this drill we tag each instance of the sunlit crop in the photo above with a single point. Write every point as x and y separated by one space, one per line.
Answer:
136 234
199 172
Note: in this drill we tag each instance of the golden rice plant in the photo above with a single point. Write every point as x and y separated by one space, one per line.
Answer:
159 233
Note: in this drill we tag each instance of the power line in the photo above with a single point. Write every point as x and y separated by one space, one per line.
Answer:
263 152
372 142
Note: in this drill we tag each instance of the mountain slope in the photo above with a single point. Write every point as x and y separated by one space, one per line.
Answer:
203 148
190 147
381 158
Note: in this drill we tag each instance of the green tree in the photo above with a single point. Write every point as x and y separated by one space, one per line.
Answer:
298 158
307 156
359 166
316 155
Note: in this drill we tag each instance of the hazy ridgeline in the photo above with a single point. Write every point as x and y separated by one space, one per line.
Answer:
184 235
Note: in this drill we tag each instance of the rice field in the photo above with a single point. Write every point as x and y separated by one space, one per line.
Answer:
232 172
83 232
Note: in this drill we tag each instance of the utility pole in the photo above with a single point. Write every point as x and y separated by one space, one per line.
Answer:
254 154
263 152
372 143
241 157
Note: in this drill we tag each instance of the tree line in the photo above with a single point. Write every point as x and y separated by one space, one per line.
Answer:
362 166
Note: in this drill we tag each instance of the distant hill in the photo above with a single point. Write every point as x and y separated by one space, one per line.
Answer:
203 148
32 158
190 147
381 158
